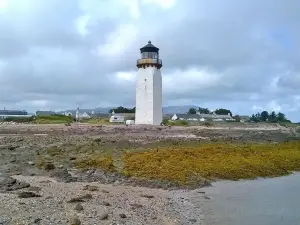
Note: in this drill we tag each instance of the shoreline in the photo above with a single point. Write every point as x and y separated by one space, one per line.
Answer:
47 163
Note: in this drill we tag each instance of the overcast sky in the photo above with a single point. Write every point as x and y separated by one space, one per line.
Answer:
240 55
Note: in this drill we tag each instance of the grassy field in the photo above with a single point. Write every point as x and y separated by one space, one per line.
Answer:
182 163
54 119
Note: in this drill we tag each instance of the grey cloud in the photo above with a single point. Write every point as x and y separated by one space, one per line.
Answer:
242 41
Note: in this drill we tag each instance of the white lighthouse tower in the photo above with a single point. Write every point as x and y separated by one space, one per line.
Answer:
149 87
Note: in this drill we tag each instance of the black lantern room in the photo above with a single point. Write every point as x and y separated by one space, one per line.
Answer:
149 56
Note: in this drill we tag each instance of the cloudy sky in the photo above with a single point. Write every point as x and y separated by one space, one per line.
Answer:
241 55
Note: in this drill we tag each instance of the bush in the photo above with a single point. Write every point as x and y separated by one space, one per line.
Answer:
165 121
19 119
104 163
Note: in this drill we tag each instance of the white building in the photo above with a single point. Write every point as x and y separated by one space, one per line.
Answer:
174 117
84 115
149 87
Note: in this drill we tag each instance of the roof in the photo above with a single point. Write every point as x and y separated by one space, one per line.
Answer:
13 112
45 113
149 48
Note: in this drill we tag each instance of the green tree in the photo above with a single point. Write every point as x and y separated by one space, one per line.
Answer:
192 111
122 109
281 117
223 112
272 117
264 116
204 110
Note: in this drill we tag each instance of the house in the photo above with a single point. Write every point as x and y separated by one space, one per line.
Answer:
67 114
84 115
174 117
45 113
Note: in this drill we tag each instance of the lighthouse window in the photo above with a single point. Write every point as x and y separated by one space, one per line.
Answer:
145 55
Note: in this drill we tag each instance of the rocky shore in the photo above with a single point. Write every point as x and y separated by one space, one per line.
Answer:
58 193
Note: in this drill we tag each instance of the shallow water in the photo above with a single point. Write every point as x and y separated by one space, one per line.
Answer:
274 201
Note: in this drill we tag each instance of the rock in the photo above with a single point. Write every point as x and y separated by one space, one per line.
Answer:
78 207
63 175
28 194
8 183
193 220
74 221
105 203
122 215
105 191
31 163
80 198
103 216
37 220
90 188
147 196
206 197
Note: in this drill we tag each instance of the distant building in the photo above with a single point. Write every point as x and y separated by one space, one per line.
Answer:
67 114
45 113
13 113
84 115
202 117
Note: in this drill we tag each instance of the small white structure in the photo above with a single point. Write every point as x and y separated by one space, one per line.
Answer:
174 117
116 119
129 122
202 120
84 115
67 113
149 87
113 112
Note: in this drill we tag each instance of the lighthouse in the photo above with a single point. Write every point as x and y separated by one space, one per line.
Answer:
149 87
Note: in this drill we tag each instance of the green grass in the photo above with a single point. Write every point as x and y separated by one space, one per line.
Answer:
55 119
98 121
168 122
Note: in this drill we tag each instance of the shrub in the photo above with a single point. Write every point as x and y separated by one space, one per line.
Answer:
104 163
45 165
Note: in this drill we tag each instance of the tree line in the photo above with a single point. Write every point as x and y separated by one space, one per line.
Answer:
263 116
220 111
122 109
272 117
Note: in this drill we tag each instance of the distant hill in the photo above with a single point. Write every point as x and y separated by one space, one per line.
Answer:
167 109
178 109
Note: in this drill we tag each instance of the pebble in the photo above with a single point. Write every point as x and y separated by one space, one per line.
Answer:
75 221
103 216
78 207
122 215
105 203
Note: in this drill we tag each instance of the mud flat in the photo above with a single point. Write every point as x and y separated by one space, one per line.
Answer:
42 167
